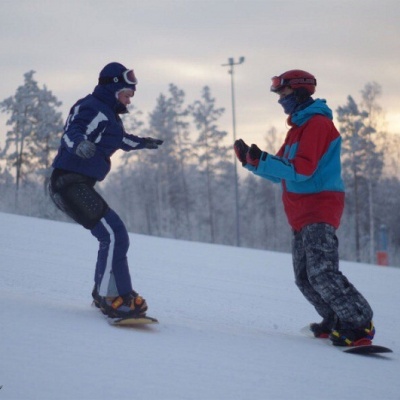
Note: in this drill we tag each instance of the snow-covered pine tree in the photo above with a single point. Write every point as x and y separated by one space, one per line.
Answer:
164 199
165 166
370 93
361 164
181 197
36 127
215 166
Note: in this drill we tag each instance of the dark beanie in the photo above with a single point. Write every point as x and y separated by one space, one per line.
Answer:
112 76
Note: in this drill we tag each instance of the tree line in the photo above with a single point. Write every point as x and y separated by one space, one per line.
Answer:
186 189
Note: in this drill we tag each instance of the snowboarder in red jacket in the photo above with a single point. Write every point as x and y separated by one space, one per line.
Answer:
308 168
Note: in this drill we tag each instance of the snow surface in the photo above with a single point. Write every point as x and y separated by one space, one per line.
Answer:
230 322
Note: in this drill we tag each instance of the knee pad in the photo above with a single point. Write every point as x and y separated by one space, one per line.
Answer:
74 194
86 204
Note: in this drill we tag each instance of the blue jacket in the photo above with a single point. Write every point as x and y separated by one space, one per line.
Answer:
95 118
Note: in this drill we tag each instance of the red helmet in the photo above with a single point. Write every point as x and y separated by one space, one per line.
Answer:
295 78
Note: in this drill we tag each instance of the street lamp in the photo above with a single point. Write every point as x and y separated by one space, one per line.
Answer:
231 64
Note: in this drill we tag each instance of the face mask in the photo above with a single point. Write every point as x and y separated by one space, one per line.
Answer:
288 103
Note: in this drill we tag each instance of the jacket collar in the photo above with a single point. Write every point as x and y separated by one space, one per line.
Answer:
317 107
108 97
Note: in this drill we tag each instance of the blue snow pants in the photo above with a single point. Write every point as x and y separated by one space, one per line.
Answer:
112 272
316 269
74 194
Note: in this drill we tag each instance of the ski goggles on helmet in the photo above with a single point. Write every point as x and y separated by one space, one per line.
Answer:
278 83
127 76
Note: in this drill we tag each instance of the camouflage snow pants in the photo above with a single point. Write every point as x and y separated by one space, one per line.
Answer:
316 269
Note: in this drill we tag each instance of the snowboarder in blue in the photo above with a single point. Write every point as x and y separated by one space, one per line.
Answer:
93 132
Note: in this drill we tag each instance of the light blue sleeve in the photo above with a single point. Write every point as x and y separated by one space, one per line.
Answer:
262 169
279 168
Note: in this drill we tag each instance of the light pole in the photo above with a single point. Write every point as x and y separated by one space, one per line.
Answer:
231 64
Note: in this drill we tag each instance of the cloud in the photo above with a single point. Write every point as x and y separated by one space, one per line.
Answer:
345 44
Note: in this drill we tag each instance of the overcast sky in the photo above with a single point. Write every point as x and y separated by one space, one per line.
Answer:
344 43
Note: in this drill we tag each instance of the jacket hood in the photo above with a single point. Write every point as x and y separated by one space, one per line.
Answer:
108 92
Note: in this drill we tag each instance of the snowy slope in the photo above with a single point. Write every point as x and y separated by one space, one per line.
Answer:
230 323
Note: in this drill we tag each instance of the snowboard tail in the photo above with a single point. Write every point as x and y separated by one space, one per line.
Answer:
367 349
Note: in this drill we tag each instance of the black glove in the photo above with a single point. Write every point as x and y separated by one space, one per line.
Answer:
85 149
253 155
150 143
241 150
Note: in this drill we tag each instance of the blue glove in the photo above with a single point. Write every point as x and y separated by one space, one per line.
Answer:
85 149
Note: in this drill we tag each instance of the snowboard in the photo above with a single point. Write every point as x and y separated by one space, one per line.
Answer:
132 322
367 349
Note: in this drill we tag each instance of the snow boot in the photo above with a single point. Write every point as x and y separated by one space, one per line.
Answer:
323 329
353 337
129 305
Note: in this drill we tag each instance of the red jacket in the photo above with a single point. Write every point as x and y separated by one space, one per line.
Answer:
308 168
